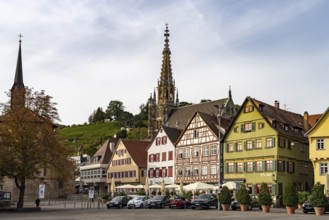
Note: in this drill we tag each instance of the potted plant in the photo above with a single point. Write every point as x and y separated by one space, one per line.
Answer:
290 198
318 199
225 198
104 197
302 197
265 199
243 198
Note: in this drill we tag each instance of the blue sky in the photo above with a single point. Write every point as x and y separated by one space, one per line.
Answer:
86 53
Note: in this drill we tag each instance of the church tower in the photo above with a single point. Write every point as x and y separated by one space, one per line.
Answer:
18 88
163 104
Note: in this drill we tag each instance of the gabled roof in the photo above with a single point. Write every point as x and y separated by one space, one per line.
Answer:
281 118
137 150
180 117
172 133
318 121
313 119
104 152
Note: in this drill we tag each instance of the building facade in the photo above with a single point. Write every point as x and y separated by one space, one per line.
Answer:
318 138
161 156
267 144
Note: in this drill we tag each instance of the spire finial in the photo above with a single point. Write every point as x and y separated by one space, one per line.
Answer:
20 37
229 92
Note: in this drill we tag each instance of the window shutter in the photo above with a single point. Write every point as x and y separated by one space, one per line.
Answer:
245 145
245 167
254 166
274 165
273 189
293 167
273 142
166 173
284 166
154 157
154 173
226 167
253 144
263 166
242 128
148 173
227 147
235 146
160 172
254 126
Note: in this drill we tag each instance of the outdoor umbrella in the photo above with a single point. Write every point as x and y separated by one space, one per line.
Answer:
230 185
198 186
163 187
172 186
113 187
146 186
181 187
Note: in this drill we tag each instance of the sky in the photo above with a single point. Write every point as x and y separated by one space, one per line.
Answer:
85 53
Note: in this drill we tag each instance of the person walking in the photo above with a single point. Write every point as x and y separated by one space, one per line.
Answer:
37 202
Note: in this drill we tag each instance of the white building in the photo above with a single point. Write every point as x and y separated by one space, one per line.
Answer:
161 156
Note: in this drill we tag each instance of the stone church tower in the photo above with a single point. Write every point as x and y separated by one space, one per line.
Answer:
163 102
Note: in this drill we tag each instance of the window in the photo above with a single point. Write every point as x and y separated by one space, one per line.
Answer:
213 149
291 167
157 156
248 127
157 141
236 129
281 167
164 140
250 166
179 172
164 172
170 155
213 169
239 146
150 158
261 125
205 150
323 168
164 156
249 145
229 148
320 144
157 173
196 152
230 167
239 167
259 166
270 142
195 133
258 144
187 153
187 171
195 170
269 165
180 154
281 142
248 108
204 170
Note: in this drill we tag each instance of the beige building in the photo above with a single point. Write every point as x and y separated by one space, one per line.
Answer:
128 164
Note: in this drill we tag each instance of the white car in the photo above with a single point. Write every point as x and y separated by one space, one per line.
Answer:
137 202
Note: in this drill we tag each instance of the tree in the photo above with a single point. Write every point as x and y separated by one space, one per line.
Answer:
29 143
96 116
290 195
114 110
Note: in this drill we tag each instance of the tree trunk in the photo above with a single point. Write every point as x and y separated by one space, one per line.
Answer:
21 188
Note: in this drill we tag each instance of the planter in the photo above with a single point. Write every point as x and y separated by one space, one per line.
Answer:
266 208
290 210
319 210
225 207
244 208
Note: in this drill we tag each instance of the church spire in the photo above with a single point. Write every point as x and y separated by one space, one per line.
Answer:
18 82
18 89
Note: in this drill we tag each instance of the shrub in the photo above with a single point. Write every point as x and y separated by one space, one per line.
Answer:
317 198
104 196
264 196
303 197
225 196
290 196
188 195
243 196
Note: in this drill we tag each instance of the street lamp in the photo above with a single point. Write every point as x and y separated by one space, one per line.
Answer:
219 152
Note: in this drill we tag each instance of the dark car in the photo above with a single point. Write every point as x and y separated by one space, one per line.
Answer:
306 207
118 201
204 201
180 203
254 203
158 202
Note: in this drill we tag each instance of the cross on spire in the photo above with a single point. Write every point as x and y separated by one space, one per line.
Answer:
20 37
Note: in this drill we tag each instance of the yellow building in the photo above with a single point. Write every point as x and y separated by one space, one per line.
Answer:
128 164
318 138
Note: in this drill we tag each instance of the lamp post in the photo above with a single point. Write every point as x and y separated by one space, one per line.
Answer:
219 153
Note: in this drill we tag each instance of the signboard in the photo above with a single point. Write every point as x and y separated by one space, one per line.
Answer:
42 191
91 194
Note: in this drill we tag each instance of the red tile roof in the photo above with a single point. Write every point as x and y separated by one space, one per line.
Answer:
137 150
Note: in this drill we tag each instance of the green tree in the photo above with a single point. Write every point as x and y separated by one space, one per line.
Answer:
97 116
114 110
29 143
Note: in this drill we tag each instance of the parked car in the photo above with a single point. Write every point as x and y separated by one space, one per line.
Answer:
137 202
180 203
254 203
204 201
118 201
158 202
306 207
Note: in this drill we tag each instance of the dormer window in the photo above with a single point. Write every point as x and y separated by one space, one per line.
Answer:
286 127
261 107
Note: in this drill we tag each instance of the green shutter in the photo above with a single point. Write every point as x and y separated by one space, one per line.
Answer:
242 128
274 165
263 167
274 189
273 142
253 128
245 145
245 167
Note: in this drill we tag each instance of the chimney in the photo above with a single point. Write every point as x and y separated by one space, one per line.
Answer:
277 104
306 124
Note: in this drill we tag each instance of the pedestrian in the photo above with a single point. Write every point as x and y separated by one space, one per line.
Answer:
37 202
